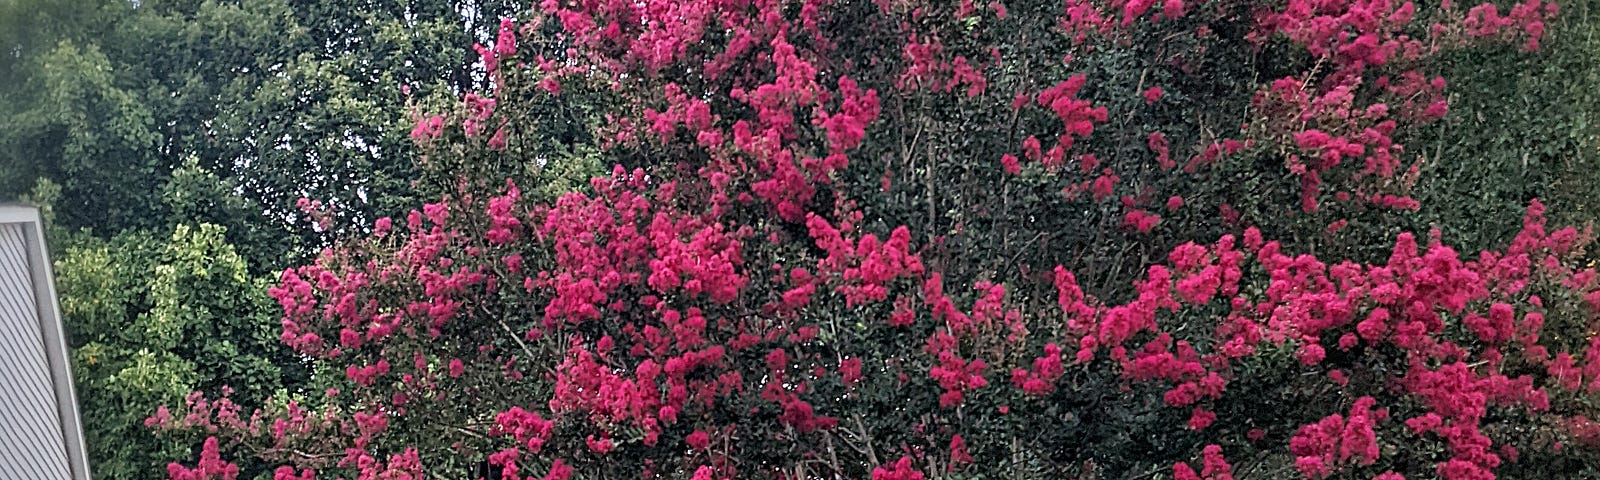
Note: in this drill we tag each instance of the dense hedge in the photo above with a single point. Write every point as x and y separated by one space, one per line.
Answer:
903 240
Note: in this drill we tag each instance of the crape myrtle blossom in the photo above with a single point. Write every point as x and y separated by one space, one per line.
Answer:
673 315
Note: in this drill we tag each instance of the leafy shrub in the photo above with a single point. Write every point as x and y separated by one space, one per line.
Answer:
153 319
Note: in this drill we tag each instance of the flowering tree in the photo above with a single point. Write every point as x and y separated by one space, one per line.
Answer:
904 240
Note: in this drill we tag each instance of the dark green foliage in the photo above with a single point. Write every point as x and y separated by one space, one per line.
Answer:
1522 125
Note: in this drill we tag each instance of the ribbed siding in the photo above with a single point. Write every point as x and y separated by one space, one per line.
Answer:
31 445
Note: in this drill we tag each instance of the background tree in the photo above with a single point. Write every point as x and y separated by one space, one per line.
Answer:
153 319
283 100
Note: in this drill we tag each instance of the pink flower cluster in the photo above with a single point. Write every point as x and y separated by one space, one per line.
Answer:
929 70
1320 447
1526 21
1212 466
866 268
899 470
211 466
1077 116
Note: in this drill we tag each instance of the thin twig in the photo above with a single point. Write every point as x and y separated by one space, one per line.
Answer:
517 339
866 438
833 456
